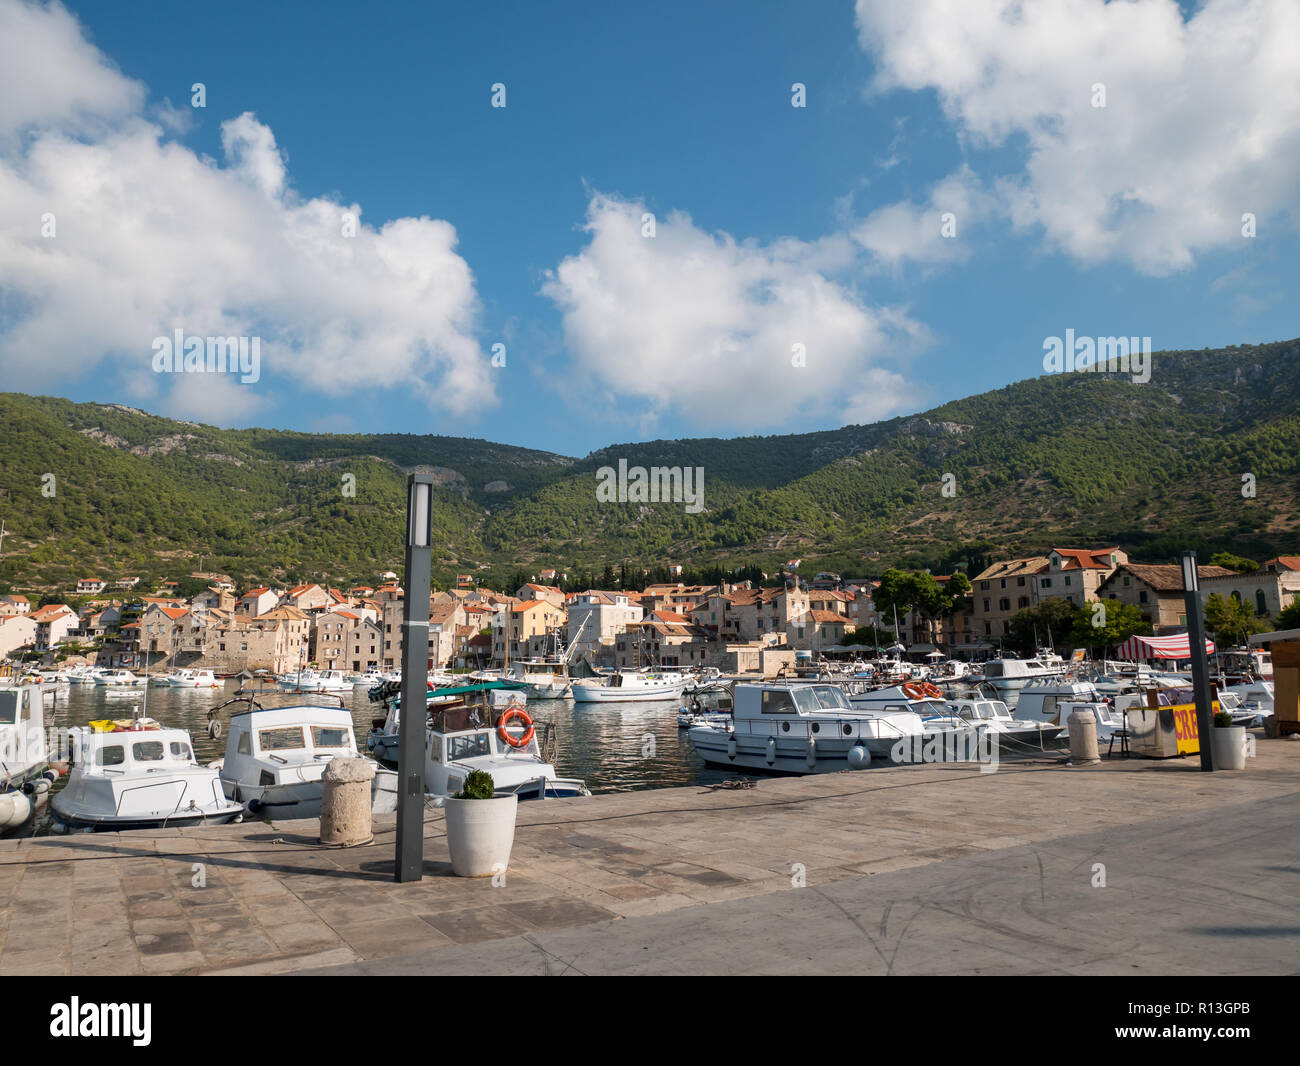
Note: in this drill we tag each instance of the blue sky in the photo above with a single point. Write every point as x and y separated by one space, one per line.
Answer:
677 108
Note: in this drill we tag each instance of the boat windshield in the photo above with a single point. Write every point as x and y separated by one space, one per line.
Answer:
284 738
328 736
470 746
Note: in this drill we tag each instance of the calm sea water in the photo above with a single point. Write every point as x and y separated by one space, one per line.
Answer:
614 747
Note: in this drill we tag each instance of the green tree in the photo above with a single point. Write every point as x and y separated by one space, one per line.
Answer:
1230 620
1052 621
1234 562
1289 617
1105 623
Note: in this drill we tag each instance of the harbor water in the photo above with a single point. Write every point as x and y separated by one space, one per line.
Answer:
614 747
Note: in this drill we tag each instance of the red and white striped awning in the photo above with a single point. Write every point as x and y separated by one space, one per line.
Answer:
1175 647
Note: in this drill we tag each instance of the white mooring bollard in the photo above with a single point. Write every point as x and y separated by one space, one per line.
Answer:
1083 737
345 802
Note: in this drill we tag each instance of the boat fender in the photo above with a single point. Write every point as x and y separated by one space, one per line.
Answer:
859 757
37 787
810 755
731 744
771 750
214 729
14 809
254 805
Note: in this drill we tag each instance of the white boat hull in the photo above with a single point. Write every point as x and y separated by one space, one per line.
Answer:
302 799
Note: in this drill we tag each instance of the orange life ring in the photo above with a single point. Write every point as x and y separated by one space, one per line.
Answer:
522 715
932 691
913 691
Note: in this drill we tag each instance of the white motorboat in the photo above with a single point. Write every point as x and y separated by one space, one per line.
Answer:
385 732
1039 700
367 681
313 681
995 717
24 755
486 726
629 686
543 679
1056 711
811 727
193 679
134 773
118 678
1253 696
275 754
1009 676
84 675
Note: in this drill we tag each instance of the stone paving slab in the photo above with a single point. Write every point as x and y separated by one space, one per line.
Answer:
261 898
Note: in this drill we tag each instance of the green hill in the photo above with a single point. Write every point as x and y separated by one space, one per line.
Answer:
1076 458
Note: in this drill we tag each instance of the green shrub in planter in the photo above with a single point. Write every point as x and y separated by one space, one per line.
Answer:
478 786
1221 718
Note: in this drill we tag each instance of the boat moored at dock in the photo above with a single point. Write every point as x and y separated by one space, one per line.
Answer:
136 774
811 727
24 755
276 754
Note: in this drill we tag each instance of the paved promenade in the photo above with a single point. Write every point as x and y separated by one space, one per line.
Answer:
902 870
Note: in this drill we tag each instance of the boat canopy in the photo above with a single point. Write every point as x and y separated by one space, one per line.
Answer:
1147 648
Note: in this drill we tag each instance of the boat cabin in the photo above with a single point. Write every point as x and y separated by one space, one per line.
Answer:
126 745
271 745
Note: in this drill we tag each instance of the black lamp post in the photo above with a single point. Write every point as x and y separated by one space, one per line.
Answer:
409 864
1200 669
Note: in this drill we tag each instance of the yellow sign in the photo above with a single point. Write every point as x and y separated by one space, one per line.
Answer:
1189 737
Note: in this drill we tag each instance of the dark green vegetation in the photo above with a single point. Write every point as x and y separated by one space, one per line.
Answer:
1076 459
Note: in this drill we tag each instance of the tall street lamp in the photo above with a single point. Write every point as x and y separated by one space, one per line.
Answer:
1200 669
409 865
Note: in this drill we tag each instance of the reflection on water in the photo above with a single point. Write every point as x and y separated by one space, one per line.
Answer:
614 747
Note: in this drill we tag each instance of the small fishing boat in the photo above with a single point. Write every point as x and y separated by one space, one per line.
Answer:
275 755
133 773
629 686
994 716
813 727
487 727
313 681
118 678
193 679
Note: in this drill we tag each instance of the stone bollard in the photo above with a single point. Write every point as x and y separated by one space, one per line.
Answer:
1083 737
345 802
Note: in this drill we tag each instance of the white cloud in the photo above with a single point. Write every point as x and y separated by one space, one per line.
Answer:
909 231
705 326
152 237
51 75
1201 123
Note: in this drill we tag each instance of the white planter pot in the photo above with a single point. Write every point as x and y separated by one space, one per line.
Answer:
1229 745
480 834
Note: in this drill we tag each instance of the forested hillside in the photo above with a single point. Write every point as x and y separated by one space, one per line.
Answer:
1076 458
